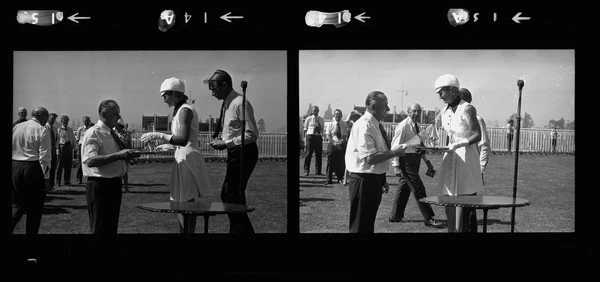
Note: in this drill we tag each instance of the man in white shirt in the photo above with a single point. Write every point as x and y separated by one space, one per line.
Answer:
234 186
79 138
367 160
484 145
313 138
66 144
31 159
104 162
407 168
337 135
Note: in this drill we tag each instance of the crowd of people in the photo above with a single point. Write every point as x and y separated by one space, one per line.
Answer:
360 154
104 155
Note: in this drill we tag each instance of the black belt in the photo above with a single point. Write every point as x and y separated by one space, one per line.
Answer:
96 178
68 143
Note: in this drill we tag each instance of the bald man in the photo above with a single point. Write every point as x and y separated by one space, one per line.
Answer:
22 113
31 159
407 168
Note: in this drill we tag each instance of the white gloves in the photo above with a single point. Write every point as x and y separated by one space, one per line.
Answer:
149 136
460 143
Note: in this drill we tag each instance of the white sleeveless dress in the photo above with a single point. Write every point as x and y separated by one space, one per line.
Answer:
189 178
460 173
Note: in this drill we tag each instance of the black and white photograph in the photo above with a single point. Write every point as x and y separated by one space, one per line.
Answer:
495 128
199 142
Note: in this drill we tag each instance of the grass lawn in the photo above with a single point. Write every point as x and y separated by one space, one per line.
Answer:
548 181
65 210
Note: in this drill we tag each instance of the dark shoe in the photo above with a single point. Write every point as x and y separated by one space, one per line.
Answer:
329 182
434 223
318 173
396 219
79 182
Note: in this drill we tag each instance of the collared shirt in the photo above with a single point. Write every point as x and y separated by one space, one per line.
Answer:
79 134
232 121
19 120
366 139
332 128
404 131
31 142
484 145
97 140
311 123
66 134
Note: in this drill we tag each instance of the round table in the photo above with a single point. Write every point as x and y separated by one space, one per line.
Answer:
477 202
187 209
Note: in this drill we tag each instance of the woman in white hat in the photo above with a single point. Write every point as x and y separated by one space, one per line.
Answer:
460 173
189 178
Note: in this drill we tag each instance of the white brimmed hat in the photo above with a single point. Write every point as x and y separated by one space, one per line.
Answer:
172 84
446 80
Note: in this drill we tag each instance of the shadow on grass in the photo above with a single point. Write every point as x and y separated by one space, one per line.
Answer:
305 200
62 209
146 192
147 184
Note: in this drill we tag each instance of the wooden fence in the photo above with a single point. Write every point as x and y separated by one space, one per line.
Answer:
530 139
270 144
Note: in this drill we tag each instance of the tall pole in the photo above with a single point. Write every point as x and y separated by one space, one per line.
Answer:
243 136
520 83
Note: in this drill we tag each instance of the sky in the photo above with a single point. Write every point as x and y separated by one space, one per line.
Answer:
343 78
74 83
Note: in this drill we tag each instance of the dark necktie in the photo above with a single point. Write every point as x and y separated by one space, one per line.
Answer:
387 140
317 129
53 137
220 122
120 143
417 132
338 132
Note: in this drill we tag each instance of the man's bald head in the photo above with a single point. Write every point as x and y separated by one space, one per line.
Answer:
41 114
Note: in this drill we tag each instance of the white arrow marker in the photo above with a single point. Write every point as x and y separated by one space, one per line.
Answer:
226 17
361 17
518 18
75 18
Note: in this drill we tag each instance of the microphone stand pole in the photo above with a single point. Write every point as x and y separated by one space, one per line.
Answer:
243 136
520 83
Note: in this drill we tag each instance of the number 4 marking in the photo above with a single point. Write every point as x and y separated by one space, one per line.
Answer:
187 17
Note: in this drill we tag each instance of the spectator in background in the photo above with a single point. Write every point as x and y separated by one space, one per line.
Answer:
22 113
79 137
30 167
554 135
484 144
66 143
53 152
350 120
337 135
313 131
510 132
125 137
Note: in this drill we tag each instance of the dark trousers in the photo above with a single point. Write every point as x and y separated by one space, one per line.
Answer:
232 191
410 181
365 192
79 169
553 145
335 162
509 139
103 196
65 160
315 144
53 164
27 194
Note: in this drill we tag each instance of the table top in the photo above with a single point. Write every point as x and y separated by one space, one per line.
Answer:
196 208
485 202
